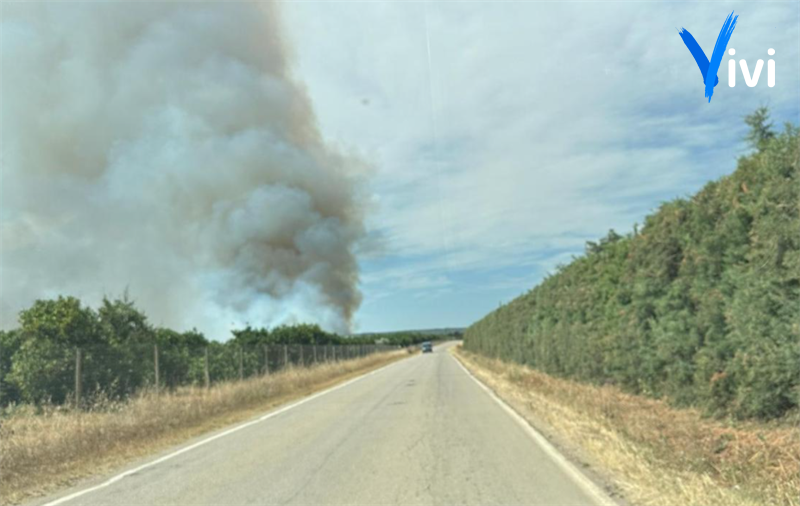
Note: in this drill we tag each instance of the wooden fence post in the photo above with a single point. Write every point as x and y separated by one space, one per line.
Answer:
285 355
302 362
241 364
314 350
77 378
155 360
266 360
206 372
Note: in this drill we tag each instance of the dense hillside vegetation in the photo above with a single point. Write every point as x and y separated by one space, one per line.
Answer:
701 305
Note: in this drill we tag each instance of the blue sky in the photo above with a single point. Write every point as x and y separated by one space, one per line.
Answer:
537 126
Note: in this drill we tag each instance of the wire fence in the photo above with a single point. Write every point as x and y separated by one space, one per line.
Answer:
74 375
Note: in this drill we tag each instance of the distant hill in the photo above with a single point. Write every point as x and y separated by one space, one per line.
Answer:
701 305
428 332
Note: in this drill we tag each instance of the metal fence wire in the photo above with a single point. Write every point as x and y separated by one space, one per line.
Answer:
65 374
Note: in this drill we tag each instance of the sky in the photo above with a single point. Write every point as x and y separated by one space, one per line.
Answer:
501 136
365 165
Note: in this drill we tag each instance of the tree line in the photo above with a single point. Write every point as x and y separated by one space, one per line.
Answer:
119 349
700 306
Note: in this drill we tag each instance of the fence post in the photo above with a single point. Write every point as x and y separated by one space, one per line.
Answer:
314 349
206 372
155 360
266 360
241 364
302 362
333 349
77 378
285 355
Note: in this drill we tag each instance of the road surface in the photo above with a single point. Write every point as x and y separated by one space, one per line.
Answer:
420 431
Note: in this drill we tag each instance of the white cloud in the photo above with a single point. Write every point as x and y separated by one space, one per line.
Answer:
554 122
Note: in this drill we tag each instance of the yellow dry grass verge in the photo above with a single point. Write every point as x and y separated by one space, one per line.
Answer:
652 453
42 452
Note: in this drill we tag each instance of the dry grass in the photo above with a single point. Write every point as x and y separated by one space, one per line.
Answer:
43 449
652 453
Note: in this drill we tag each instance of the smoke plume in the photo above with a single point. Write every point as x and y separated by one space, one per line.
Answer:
165 148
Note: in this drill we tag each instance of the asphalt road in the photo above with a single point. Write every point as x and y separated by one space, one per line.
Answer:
420 431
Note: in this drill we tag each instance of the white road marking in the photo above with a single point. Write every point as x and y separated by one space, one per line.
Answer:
228 432
573 472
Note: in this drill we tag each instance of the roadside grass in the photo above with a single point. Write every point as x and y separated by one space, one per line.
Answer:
651 453
46 448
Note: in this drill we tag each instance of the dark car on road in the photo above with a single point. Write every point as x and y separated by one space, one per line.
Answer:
427 347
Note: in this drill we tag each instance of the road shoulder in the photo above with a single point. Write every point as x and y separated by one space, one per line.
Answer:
570 457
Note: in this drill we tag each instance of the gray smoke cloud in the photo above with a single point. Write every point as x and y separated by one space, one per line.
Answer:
165 148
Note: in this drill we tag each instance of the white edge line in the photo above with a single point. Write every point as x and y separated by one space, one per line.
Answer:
581 479
228 432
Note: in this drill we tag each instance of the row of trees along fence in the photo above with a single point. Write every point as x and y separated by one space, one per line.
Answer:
76 374
114 351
